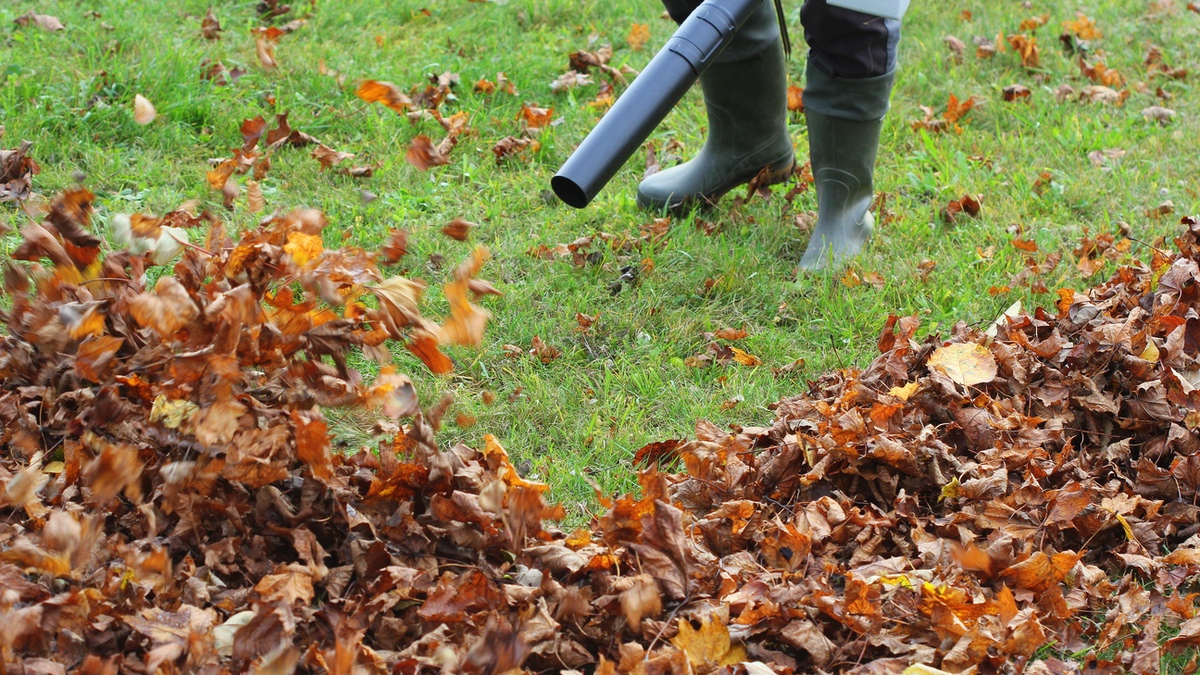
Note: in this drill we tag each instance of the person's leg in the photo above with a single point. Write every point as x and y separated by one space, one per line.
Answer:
745 96
851 67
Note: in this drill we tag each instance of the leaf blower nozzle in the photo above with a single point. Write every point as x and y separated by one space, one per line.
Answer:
661 84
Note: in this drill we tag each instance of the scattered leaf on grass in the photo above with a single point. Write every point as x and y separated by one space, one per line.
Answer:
44 21
967 204
459 229
1158 114
639 34
210 28
544 352
745 358
143 110
1015 92
385 93
423 154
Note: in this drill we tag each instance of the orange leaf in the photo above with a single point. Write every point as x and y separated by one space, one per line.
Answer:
639 34
1039 572
377 91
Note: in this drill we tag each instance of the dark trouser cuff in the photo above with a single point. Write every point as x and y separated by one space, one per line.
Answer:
860 100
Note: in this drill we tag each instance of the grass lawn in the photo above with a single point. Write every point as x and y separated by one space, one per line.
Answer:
1048 170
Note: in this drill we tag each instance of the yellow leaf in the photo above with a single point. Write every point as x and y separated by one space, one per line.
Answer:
900 580
55 467
303 247
709 646
1124 524
966 363
171 413
1150 353
745 358
949 490
905 392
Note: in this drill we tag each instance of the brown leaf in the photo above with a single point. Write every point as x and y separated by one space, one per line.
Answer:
1158 114
967 204
168 310
731 333
288 584
44 21
511 145
264 46
312 443
210 28
328 157
395 248
254 197
534 117
1015 92
458 229
544 352
423 154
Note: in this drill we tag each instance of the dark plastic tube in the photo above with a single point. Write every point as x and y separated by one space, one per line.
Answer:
659 87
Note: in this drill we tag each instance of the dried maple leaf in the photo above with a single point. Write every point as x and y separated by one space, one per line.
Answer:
1040 571
168 310
1158 114
639 34
328 157
967 204
511 146
535 117
1082 27
568 81
254 197
1101 74
1096 93
1015 92
710 646
395 248
544 352
968 364
1027 48
17 170
745 358
957 47
210 28
423 155
44 21
265 40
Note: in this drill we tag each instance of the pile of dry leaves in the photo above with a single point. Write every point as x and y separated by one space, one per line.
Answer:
171 504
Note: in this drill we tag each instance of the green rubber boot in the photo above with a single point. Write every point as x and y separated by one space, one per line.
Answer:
745 96
843 164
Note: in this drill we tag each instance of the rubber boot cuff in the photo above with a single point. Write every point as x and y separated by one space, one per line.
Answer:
860 100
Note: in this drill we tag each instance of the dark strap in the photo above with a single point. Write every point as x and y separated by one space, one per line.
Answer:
783 32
